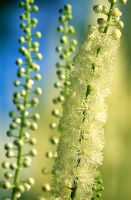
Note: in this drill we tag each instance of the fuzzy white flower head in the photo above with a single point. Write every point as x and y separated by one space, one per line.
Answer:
84 115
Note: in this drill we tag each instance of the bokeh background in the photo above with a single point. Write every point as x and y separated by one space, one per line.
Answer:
116 170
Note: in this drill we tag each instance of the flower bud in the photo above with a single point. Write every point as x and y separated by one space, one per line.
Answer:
54 140
19 142
27 162
31 181
10 154
38 91
99 8
39 56
63 40
33 141
34 22
123 1
71 29
20 107
29 84
8 175
33 126
116 34
21 4
38 34
74 42
60 28
27 186
53 125
46 187
34 8
9 146
36 116
7 185
62 18
33 152
19 61
117 12
17 83
13 166
68 8
6 165
120 24
34 101
21 188
35 66
49 154
56 113
22 40
101 21
37 77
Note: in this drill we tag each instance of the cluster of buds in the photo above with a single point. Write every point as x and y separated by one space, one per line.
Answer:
97 188
21 187
24 120
66 50
113 18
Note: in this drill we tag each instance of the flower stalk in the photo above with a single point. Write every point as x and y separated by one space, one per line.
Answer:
25 98
66 50
80 150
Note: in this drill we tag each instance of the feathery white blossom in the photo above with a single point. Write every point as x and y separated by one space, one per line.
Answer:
80 150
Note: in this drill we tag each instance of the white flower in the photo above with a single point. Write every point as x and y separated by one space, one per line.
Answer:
80 149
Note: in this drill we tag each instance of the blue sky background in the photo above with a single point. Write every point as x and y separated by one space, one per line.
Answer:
10 32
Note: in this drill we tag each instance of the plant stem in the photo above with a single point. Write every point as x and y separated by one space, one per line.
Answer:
23 116
67 62
88 90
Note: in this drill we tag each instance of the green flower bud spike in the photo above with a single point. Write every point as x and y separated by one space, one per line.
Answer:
66 50
24 120
80 148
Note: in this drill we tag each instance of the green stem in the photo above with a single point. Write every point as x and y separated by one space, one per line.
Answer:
67 61
109 18
23 116
107 23
88 90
